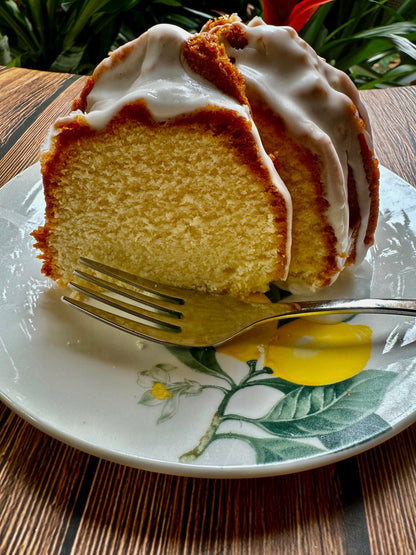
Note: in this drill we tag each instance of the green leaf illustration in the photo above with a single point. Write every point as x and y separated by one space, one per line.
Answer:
370 427
201 360
314 411
276 383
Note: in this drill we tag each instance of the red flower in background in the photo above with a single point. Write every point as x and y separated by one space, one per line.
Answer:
290 12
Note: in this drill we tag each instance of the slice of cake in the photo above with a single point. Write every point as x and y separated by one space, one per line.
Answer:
159 172
311 120
221 161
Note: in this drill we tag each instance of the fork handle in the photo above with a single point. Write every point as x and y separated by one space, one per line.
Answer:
401 307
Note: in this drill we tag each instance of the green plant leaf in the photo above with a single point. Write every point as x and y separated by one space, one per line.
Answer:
352 36
314 31
314 411
183 21
80 19
169 3
405 10
5 54
404 72
404 45
15 20
35 9
68 60
367 52
399 28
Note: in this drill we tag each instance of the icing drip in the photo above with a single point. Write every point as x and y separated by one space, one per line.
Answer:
293 80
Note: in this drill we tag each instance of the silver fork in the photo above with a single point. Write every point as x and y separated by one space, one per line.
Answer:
186 318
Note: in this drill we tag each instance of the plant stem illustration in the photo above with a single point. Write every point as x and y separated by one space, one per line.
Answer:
301 413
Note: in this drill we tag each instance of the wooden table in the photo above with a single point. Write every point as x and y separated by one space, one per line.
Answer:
56 499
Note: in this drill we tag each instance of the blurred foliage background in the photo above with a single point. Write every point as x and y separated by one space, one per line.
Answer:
374 41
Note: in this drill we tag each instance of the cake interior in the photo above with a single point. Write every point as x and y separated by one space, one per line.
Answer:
215 221
300 171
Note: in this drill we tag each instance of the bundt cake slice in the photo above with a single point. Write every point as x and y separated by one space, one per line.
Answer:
311 120
159 172
221 161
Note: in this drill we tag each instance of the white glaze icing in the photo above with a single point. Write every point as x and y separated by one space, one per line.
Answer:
153 70
314 100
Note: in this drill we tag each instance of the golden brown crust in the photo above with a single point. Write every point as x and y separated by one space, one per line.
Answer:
47 252
373 176
50 160
372 173
207 57
80 103
354 218
224 29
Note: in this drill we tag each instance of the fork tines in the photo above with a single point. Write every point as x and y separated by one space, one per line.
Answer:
153 310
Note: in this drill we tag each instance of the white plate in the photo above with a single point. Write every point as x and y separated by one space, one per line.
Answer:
202 413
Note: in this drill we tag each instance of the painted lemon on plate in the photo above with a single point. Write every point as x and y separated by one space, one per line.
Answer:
305 351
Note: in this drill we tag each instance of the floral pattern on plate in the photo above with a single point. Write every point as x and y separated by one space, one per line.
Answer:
304 420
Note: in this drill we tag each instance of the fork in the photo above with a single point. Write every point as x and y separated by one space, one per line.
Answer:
187 318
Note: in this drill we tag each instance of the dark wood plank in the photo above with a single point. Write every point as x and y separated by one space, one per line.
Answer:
40 484
388 475
55 499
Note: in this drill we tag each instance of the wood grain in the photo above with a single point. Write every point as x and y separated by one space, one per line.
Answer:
389 486
392 115
185 515
36 103
55 499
